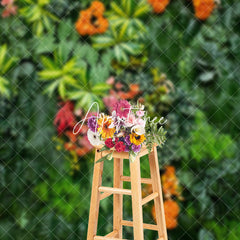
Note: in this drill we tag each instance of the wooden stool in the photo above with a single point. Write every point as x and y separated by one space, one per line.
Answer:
99 192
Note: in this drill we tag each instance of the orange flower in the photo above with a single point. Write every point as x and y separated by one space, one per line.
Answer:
159 6
69 146
203 8
170 183
81 151
104 129
98 8
91 20
171 210
133 91
171 222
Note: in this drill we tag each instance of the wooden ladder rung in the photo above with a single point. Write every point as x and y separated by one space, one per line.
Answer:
107 238
145 225
115 190
112 234
104 195
143 180
149 198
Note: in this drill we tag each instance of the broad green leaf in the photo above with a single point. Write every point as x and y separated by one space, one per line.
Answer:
4 90
38 27
117 9
70 80
35 13
127 5
128 48
61 89
65 29
103 42
86 100
100 88
92 56
120 54
47 22
140 25
46 75
48 63
69 65
44 44
123 29
7 65
3 51
51 88
142 10
76 95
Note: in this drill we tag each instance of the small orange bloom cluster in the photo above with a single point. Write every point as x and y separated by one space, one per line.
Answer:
79 144
159 6
170 189
91 20
133 91
171 211
170 183
203 8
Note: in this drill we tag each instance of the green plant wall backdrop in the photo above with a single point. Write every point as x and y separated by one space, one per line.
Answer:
180 58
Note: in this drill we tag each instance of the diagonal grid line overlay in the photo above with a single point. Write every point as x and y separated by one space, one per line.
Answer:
190 79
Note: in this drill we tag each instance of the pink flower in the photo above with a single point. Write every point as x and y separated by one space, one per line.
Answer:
9 10
122 108
118 86
109 102
110 81
140 113
7 2
85 143
130 120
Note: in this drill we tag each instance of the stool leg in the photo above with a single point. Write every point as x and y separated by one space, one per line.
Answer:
95 198
117 198
136 199
158 202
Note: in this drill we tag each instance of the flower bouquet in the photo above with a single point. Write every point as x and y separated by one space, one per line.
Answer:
126 130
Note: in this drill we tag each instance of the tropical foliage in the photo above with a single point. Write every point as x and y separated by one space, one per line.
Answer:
178 58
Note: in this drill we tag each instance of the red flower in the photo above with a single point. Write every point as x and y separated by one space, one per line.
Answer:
120 147
109 143
64 118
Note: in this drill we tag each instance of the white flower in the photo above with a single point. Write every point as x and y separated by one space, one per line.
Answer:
138 129
94 138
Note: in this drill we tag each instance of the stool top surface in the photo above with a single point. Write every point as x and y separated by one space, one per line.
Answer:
124 155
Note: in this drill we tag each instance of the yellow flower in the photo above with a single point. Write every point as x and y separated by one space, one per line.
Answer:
104 129
137 139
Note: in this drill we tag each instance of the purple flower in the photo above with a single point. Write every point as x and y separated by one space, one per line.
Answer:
92 124
126 148
127 140
136 148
